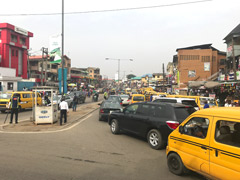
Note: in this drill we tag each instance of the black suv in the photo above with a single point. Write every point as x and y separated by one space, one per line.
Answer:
81 96
153 121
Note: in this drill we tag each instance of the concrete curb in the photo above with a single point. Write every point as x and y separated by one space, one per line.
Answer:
56 130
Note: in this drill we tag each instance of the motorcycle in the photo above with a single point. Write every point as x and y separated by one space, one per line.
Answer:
95 98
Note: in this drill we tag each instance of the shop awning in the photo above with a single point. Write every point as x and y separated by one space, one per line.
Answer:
195 84
211 84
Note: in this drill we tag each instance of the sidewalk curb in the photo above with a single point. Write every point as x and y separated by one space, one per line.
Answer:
61 127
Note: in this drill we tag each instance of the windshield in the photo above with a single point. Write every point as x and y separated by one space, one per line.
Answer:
5 96
125 96
113 98
211 101
138 98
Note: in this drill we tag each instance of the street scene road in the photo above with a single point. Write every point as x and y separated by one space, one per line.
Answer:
86 151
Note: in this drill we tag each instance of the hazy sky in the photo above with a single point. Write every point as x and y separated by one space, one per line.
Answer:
148 36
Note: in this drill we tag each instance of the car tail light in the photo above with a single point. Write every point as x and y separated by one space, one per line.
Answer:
121 103
101 111
172 124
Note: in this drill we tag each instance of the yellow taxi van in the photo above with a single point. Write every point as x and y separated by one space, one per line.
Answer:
25 100
137 98
207 142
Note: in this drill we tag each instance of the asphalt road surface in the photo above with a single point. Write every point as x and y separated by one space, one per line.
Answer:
86 151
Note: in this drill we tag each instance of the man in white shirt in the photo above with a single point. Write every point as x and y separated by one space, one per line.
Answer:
63 110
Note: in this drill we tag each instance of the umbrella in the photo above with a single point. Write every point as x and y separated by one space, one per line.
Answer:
72 84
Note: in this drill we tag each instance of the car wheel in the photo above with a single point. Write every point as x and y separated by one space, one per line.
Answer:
3 111
175 164
115 127
71 104
79 102
154 138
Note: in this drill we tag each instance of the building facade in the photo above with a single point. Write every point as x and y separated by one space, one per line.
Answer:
50 71
198 63
94 73
233 52
14 45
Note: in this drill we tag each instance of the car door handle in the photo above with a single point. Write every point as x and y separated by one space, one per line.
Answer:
204 147
216 152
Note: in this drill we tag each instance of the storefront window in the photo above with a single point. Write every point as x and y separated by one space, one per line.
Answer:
13 38
10 86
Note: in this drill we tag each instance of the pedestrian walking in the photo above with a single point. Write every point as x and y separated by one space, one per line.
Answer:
14 108
75 100
63 110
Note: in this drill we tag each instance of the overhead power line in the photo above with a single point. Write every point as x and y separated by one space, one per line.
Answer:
108 10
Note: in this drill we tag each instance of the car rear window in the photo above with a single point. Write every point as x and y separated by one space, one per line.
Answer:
183 112
138 98
112 105
192 103
166 100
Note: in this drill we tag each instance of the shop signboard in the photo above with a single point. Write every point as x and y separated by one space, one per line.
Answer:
238 75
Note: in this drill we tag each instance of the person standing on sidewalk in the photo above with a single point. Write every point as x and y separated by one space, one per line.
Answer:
63 110
75 100
14 108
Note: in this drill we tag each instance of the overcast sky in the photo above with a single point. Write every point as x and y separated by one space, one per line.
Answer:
148 36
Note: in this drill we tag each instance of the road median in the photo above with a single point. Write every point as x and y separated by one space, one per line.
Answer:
72 118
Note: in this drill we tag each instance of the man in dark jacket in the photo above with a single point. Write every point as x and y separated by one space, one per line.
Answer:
75 100
14 108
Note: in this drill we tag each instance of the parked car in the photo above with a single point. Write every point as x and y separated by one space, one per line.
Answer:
107 107
115 98
153 121
57 99
207 142
185 101
81 95
125 99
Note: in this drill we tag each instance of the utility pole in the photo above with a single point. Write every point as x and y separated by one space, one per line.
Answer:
62 47
44 51
233 60
29 75
163 74
45 60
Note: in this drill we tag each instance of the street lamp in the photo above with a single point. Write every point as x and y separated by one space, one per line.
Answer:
118 64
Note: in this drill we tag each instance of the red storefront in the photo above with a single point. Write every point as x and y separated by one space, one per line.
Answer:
14 43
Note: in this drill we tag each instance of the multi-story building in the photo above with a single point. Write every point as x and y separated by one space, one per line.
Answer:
79 75
14 43
50 71
94 73
198 63
233 49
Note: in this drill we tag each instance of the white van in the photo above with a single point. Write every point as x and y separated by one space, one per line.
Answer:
185 101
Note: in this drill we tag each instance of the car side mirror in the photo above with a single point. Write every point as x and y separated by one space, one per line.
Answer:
181 129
